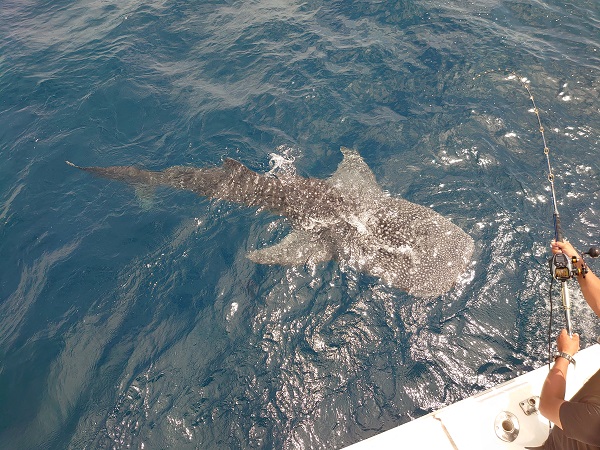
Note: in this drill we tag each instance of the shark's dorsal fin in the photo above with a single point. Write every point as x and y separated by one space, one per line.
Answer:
353 175
232 165
297 248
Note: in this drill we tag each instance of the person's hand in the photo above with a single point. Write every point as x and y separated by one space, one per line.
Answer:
564 247
566 343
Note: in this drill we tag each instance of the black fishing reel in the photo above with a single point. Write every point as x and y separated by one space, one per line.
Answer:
562 268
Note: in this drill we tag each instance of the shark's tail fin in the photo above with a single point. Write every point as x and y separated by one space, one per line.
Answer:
232 181
127 174
143 181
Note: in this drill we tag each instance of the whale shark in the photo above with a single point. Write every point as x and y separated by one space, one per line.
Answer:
347 217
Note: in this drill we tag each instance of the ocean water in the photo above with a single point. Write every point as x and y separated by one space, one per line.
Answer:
138 322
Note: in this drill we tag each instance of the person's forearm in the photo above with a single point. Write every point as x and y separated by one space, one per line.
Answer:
590 288
553 391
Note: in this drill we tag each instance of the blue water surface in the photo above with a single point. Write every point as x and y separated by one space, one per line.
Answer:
136 321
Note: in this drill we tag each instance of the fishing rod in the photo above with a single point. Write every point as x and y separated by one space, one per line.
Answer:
561 266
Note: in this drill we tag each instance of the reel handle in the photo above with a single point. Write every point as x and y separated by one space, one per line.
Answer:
593 252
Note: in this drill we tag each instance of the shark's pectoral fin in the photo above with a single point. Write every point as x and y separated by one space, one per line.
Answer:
297 248
145 195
